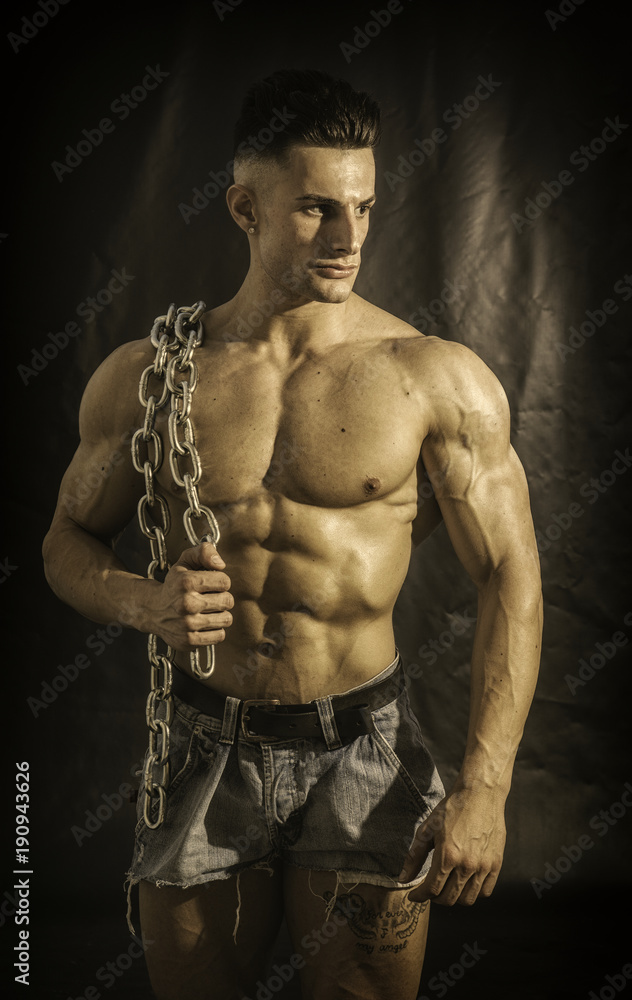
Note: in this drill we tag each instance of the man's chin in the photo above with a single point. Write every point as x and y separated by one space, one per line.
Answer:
329 289
332 295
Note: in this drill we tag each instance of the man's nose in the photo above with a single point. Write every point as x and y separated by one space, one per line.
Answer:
346 235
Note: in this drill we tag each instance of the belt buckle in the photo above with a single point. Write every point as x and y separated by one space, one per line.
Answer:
245 705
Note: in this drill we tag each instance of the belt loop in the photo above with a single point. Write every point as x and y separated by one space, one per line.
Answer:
229 722
328 722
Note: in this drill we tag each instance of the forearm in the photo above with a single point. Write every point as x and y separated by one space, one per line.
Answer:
505 663
86 574
467 829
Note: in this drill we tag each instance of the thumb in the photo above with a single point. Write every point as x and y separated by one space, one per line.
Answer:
202 556
423 843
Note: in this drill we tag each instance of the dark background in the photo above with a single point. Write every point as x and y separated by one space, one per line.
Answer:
521 286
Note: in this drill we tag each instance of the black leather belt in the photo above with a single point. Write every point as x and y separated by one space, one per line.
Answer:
267 720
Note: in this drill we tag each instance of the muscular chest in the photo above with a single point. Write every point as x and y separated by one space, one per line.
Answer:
331 432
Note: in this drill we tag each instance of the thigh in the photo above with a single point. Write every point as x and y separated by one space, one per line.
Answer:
365 942
210 941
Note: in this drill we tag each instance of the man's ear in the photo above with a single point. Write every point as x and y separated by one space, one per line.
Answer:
241 205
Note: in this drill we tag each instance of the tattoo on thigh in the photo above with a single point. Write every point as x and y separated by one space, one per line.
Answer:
373 925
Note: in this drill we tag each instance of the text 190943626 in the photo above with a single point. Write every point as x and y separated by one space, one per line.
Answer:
22 886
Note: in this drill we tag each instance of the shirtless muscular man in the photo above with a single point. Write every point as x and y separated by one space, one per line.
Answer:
319 802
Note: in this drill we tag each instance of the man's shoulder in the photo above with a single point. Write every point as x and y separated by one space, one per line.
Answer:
448 375
462 391
111 395
122 368
433 354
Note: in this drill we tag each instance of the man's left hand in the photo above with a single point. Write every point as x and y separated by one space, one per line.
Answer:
467 832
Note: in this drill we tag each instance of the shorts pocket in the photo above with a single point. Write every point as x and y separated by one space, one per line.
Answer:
389 753
398 738
189 743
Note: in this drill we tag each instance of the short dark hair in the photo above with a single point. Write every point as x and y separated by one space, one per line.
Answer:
313 109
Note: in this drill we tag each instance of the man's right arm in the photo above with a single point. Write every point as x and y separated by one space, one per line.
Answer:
98 497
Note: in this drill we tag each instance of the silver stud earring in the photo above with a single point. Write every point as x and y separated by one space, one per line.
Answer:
251 230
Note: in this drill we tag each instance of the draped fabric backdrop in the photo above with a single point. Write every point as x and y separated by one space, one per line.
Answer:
502 222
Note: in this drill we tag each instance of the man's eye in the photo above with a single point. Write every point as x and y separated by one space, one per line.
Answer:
318 209
364 209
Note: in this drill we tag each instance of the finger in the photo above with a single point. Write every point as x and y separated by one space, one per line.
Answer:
418 851
211 582
197 608
213 602
433 883
452 889
471 890
202 556
488 885
205 591
440 888
207 622
479 885
209 637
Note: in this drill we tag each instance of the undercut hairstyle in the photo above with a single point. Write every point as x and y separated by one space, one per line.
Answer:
303 108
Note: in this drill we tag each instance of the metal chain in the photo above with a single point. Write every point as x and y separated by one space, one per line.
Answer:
172 378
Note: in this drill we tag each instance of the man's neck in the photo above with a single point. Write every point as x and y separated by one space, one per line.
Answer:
279 316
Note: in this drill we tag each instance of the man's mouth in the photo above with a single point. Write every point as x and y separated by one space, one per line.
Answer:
334 269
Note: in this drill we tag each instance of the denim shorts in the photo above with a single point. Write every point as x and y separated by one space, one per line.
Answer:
233 804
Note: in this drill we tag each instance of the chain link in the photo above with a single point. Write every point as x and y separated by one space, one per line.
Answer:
171 379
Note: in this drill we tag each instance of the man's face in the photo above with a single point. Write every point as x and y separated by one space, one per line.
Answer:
313 220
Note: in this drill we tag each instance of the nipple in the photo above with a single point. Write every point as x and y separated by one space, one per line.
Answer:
371 485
